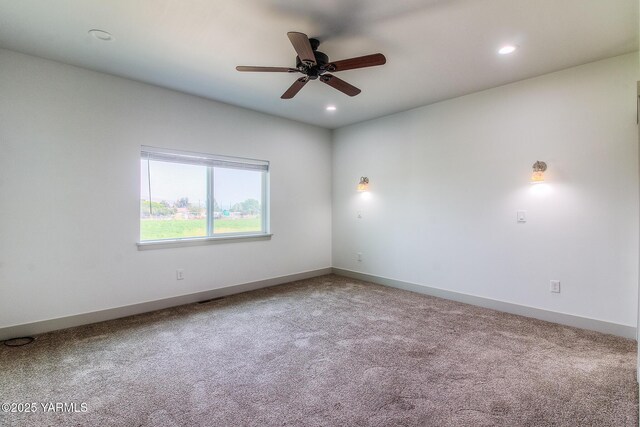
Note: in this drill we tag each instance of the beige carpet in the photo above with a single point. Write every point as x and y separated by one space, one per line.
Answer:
328 351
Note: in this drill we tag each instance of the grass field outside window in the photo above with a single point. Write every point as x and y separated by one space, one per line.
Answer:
153 229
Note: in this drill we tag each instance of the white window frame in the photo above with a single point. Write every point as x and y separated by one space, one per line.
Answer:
211 161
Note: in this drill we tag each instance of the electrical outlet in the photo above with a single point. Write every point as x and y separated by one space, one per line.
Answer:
521 216
555 286
179 274
359 256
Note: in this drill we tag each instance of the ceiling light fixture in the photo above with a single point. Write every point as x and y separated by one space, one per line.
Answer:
506 50
102 35
331 108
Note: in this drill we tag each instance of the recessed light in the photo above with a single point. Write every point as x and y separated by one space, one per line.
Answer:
102 35
505 50
331 108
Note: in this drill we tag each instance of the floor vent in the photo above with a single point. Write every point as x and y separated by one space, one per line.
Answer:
19 342
210 300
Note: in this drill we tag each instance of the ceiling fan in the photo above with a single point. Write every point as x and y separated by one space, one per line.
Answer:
315 65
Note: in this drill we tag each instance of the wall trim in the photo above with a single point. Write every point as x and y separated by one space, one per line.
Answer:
603 326
43 326
35 328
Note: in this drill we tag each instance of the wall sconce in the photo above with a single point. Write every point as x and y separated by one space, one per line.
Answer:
363 185
538 172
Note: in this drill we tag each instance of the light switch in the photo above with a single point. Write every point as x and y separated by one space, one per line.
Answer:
522 216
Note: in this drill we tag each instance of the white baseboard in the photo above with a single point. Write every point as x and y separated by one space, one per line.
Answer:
43 326
508 307
129 310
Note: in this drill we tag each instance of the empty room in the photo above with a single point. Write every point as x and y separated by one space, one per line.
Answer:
340 213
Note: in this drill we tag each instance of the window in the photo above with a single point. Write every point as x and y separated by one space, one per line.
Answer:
199 196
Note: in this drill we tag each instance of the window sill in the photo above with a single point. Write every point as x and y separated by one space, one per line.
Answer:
199 241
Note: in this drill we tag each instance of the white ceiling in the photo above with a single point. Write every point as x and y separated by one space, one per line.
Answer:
435 49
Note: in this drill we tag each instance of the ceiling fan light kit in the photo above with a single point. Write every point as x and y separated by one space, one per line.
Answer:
315 65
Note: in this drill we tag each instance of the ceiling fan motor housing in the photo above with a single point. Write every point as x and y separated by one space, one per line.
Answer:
313 71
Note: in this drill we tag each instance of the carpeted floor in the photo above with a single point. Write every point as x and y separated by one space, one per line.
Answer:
328 351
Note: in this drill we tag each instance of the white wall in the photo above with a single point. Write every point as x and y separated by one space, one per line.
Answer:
447 180
69 191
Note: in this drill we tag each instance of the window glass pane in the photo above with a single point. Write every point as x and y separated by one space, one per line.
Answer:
237 201
177 205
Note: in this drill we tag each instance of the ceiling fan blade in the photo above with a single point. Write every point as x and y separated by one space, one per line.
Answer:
267 69
295 88
302 46
340 84
359 62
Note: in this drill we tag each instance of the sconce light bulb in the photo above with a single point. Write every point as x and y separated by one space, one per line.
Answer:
537 177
